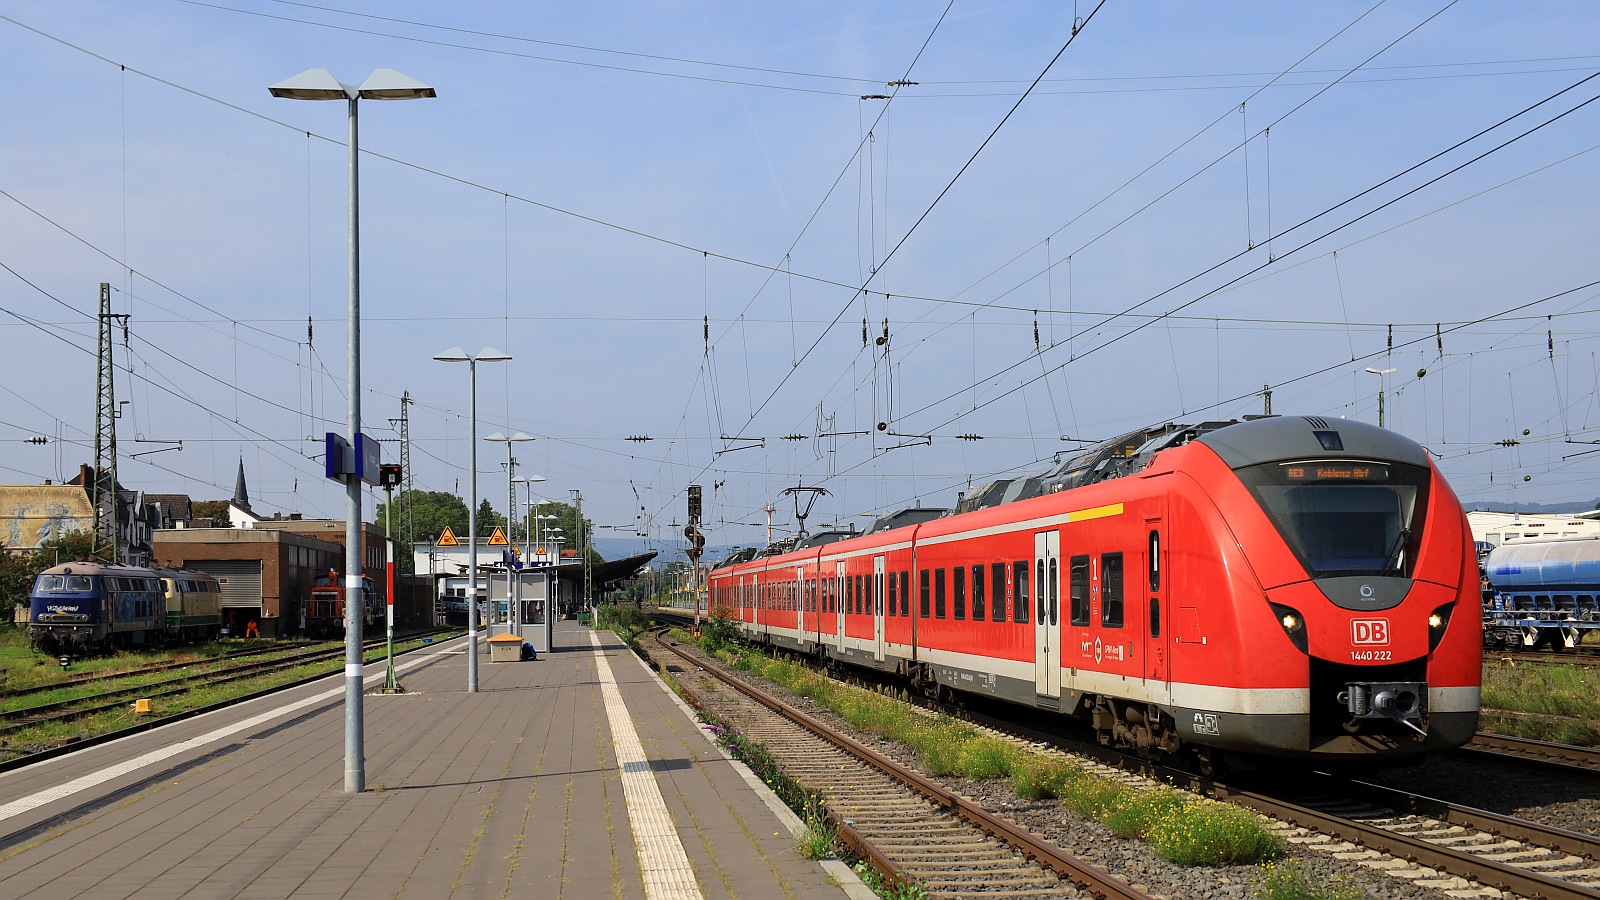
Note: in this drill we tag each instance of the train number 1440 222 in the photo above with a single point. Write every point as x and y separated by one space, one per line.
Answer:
1371 655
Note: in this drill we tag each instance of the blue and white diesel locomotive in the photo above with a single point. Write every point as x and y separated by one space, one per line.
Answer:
93 607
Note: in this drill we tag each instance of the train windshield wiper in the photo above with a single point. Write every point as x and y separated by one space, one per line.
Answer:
1391 560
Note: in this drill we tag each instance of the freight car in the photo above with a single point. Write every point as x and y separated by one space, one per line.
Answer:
325 611
1543 593
1287 587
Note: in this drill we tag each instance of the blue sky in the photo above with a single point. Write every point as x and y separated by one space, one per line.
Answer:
598 184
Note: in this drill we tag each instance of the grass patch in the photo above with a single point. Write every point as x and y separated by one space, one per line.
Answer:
1547 702
1179 827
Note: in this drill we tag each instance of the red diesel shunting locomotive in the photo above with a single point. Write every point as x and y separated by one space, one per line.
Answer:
1283 586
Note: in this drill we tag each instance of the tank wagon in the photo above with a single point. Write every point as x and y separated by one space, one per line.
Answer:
1542 593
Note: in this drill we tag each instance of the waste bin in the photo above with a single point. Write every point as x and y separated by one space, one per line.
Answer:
505 647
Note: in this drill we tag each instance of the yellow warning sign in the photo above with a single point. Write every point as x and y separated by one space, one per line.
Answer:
498 539
447 538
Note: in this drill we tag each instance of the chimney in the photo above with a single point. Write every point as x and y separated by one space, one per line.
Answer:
47 482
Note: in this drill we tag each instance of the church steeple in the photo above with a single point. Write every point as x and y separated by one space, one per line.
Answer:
241 495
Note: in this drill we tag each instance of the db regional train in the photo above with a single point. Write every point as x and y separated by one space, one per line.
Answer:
94 607
325 612
1290 587
1543 593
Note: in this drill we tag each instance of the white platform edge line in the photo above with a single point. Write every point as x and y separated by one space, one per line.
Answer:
841 873
663 864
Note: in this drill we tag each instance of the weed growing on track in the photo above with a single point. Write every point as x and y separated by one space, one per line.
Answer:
1287 881
880 886
1180 828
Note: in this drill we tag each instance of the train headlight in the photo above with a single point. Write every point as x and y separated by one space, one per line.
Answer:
1294 625
1437 623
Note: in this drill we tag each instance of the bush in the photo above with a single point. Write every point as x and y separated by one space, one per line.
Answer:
1040 777
1208 833
1140 813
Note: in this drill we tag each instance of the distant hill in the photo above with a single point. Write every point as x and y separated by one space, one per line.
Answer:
1537 509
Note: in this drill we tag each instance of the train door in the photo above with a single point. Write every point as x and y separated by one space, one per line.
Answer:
1047 622
877 608
1157 632
800 603
838 602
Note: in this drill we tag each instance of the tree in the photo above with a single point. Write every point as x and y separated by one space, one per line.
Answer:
19 568
215 510
488 519
431 513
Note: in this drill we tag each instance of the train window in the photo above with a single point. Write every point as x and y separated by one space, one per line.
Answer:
1155 560
1111 590
938 593
1344 518
905 593
997 581
977 593
959 591
849 595
78 583
877 594
1055 591
1019 580
922 606
1155 617
1039 592
863 596
893 596
1078 590
50 584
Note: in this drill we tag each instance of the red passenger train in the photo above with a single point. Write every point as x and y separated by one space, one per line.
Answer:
1283 586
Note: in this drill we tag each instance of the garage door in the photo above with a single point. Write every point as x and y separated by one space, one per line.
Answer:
240 580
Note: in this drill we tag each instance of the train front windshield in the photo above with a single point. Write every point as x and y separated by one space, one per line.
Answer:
57 584
1345 517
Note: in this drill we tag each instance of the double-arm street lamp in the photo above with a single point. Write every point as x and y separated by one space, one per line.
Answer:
487 354
384 84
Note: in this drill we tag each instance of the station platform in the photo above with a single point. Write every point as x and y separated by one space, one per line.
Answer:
576 775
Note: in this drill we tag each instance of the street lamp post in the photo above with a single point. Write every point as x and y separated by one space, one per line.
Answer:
383 84
1381 373
487 354
511 510
527 543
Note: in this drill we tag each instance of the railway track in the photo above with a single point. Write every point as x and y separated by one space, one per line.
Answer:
1565 756
1508 854
135 671
910 829
15 720
1432 842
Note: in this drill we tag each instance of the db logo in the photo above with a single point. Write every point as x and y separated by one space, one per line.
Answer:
1369 631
